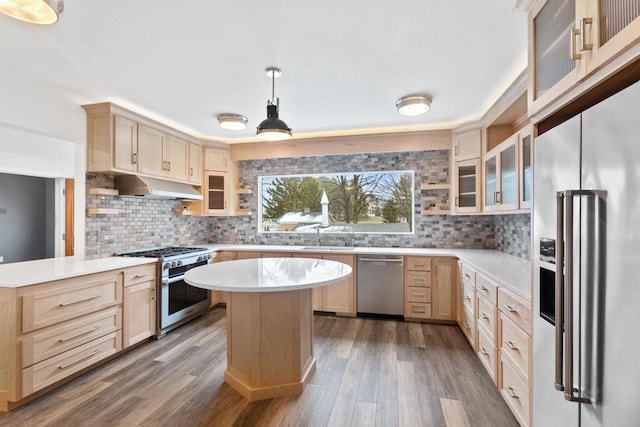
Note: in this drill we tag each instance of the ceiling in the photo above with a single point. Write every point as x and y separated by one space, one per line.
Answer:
344 63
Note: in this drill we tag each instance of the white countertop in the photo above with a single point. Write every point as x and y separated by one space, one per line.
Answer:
509 271
268 274
26 273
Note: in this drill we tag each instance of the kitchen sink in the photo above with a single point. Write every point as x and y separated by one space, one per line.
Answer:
328 248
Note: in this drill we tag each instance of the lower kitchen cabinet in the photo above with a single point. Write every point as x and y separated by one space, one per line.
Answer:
497 324
339 297
51 331
139 304
429 288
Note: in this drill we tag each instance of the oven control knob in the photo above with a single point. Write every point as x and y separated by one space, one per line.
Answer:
165 266
179 263
173 264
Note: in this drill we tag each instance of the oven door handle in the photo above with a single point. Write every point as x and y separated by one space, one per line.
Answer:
170 280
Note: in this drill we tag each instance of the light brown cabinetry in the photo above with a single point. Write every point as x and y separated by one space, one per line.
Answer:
217 182
515 358
525 168
571 41
53 330
119 140
216 159
466 176
466 316
429 288
139 304
195 163
486 313
497 323
501 176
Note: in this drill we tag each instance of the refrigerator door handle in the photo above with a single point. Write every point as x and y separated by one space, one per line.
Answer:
559 320
570 393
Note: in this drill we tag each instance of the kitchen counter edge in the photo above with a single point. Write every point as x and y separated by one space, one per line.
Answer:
18 274
510 271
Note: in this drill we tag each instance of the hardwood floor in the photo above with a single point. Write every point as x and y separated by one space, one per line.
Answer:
369 373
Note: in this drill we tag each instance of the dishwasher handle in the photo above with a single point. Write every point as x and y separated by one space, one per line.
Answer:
380 259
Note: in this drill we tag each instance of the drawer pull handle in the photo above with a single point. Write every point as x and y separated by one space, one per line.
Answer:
511 345
66 365
418 310
512 392
509 308
467 297
467 276
419 295
484 351
484 316
64 304
140 276
483 288
466 325
95 328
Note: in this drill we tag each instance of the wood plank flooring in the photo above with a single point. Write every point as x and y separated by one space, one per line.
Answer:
369 372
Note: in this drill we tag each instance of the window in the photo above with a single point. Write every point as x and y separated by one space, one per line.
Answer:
350 202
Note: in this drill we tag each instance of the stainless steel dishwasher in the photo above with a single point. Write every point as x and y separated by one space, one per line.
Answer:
380 284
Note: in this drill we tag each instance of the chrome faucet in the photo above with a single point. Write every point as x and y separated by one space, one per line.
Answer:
319 239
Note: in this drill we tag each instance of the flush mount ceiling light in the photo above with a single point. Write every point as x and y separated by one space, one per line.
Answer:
33 11
232 121
272 128
413 105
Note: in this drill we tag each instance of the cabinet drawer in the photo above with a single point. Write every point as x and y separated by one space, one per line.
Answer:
515 392
469 298
418 278
487 316
140 274
418 263
515 309
47 372
468 326
487 353
468 275
56 302
49 342
417 309
516 346
486 288
420 294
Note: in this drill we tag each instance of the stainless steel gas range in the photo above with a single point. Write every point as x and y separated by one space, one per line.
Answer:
179 302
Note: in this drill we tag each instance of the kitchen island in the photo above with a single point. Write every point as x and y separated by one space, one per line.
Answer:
269 319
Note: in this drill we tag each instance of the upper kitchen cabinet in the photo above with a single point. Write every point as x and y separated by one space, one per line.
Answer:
467 147
570 41
195 163
216 159
525 167
121 141
501 176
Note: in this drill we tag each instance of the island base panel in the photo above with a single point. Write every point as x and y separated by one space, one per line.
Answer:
269 343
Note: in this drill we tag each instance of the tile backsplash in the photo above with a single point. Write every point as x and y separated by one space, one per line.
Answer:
141 223
144 223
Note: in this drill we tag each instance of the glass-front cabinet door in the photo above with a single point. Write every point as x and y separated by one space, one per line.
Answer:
508 183
216 193
490 182
501 176
526 168
467 186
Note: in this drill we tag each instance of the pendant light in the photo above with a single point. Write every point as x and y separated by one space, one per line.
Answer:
33 11
272 128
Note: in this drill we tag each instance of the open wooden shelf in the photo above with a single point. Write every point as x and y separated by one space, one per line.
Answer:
436 212
425 186
103 191
102 211
244 191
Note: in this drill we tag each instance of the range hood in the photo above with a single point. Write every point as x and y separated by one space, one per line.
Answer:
133 185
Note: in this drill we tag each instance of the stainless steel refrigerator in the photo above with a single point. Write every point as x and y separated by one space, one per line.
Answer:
586 229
